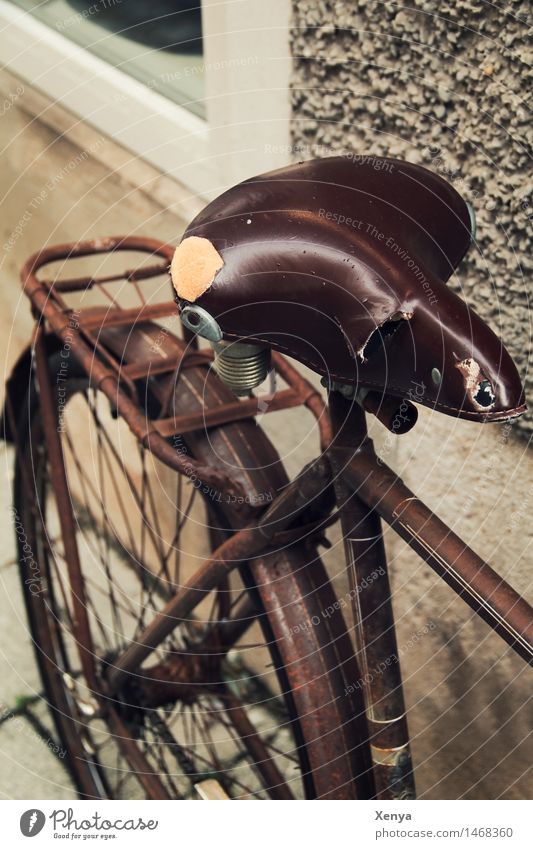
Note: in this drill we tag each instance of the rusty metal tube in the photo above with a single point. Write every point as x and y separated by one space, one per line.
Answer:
465 572
101 376
381 678
243 545
67 521
49 304
397 414
311 398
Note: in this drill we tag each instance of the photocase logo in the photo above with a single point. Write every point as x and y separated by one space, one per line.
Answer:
32 822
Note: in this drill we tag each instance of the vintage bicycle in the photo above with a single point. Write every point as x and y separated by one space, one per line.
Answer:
171 570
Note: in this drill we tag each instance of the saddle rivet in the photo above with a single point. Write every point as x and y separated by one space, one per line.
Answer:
436 376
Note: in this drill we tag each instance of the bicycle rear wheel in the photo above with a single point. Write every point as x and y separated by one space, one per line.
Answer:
250 690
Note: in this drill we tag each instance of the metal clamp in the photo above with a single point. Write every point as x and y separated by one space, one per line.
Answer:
201 322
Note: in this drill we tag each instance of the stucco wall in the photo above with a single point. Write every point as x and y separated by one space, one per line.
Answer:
442 85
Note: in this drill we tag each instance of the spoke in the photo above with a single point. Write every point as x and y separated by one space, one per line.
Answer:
65 597
234 626
138 502
207 739
86 483
116 488
138 290
219 770
153 507
178 752
223 595
138 760
263 762
153 748
174 547
131 574
128 611
109 296
157 537
119 628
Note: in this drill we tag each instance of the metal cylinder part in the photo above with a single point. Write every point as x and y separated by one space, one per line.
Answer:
398 415
241 366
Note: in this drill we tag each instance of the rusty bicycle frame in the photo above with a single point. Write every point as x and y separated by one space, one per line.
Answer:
366 491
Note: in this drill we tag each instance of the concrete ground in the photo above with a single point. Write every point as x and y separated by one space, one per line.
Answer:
468 695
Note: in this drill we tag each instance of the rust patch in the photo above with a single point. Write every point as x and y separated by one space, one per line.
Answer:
194 266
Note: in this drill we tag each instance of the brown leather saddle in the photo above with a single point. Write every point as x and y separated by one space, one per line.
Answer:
342 264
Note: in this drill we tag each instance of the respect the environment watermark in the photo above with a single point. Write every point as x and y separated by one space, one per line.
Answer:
211 492
84 14
62 373
367 228
50 186
392 660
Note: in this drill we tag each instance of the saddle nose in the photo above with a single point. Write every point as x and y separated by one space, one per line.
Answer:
343 266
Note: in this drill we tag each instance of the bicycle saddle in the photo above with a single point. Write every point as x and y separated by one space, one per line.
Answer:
342 264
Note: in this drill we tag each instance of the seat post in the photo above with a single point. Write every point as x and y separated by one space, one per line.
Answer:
372 610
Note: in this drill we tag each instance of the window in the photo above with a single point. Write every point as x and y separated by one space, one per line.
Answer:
197 88
158 43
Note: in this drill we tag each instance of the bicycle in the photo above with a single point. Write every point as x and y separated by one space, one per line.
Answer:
171 573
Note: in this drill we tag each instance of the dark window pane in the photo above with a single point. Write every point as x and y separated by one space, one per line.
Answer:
159 43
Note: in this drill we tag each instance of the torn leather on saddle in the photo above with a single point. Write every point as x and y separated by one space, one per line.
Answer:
193 267
344 267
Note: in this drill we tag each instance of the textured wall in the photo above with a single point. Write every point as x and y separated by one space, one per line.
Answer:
443 85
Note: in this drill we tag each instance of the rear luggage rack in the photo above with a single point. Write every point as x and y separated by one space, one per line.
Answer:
101 336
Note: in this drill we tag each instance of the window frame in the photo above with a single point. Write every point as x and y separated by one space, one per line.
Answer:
247 98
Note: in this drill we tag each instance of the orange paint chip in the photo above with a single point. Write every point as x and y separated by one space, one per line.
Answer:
193 267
